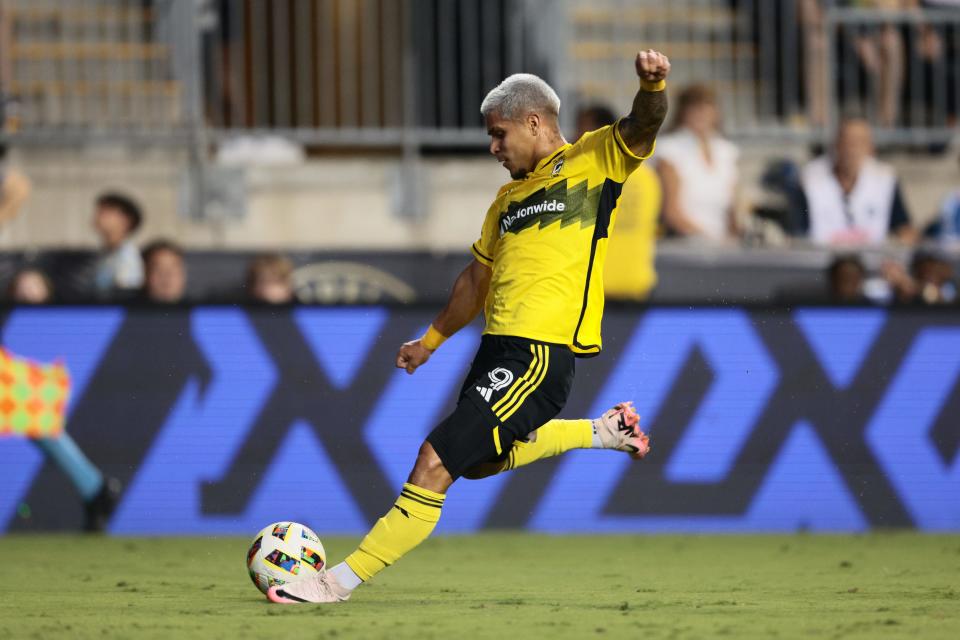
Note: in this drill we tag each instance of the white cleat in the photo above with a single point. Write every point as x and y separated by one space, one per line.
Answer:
619 428
320 588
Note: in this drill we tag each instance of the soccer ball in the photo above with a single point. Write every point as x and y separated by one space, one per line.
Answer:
284 552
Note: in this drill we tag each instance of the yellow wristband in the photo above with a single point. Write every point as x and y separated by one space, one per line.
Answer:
659 85
432 339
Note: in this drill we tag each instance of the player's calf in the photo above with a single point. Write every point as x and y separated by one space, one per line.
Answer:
617 429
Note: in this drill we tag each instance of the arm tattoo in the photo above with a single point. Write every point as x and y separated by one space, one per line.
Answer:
639 129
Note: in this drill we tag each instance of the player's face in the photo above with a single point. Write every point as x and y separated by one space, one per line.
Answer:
512 144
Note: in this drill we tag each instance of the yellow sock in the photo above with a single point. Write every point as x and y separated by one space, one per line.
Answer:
406 525
550 440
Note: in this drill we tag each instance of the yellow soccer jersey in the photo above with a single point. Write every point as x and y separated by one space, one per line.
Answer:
629 273
545 238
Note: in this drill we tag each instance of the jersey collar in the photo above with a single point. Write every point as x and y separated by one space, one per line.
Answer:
549 160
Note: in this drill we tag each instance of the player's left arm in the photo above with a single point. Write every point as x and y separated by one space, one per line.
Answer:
639 129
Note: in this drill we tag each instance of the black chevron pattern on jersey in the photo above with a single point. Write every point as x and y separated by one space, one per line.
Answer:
579 206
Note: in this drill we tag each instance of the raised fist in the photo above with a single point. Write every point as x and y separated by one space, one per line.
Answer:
652 66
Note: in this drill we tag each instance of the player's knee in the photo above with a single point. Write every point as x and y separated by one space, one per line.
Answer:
427 459
429 472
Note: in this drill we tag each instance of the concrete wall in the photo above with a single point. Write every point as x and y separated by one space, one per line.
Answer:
330 203
322 204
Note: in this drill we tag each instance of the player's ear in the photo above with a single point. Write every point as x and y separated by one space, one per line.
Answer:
534 125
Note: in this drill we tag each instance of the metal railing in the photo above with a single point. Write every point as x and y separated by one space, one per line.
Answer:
409 73
365 72
91 67
785 69
898 69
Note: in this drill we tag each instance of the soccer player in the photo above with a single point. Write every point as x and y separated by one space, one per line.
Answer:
537 277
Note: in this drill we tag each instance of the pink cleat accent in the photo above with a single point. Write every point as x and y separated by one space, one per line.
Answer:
321 588
272 596
619 428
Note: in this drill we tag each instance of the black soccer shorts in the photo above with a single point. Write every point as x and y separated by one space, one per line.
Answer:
514 386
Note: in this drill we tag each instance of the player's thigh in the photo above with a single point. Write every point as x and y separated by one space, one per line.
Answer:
514 386
466 438
490 355
540 396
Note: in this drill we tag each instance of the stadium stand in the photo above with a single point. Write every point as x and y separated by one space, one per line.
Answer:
307 123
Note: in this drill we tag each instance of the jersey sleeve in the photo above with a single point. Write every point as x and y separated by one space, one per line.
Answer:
607 150
485 248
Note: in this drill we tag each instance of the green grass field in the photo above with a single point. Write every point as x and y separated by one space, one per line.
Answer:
503 586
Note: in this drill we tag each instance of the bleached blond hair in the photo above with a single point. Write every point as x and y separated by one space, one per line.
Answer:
520 94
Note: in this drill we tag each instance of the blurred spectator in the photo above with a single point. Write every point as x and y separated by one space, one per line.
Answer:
846 276
14 186
816 66
933 278
883 52
947 226
270 279
699 169
6 59
165 279
593 117
889 51
629 273
851 198
781 197
116 218
14 191
30 286
929 282
6 65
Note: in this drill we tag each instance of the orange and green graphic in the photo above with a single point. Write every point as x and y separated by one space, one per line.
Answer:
33 397
282 561
312 558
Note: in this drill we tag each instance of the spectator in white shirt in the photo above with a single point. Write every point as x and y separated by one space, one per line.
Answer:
120 268
698 168
853 199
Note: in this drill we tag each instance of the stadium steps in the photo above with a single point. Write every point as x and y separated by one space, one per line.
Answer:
91 64
706 39
32 13
588 51
107 51
713 15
